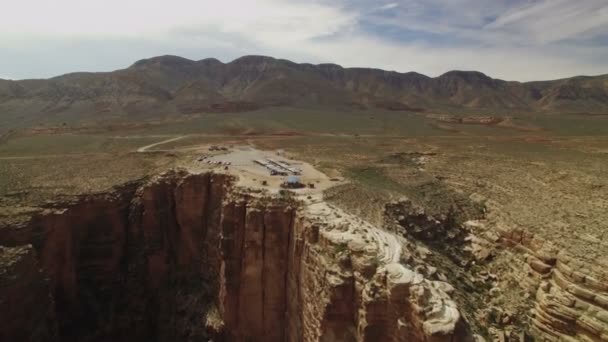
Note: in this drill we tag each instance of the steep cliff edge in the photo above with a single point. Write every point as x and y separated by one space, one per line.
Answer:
192 257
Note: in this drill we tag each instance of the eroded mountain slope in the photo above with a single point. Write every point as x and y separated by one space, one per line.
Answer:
169 85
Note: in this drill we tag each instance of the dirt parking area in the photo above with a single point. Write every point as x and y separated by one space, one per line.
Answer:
240 161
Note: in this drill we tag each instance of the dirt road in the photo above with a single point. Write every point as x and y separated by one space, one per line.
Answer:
145 148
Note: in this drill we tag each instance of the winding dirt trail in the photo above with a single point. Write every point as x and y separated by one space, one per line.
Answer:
142 149
145 148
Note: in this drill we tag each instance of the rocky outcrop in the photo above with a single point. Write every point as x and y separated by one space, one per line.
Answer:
512 284
473 258
368 293
571 301
192 257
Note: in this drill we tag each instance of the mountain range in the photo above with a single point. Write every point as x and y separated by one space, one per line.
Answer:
171 85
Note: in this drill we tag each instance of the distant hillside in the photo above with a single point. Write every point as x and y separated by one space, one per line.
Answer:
170 85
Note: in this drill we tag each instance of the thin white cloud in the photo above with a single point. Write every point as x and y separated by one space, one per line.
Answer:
388 6
522 63
555 20
502 21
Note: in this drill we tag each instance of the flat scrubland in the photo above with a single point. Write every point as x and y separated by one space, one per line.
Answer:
546 172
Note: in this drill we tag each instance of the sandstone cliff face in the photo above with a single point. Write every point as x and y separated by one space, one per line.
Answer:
190 257
131 264
80 250
26 307
255 247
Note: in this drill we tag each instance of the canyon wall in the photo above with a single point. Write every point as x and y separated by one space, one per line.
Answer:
185 257
254 269
26 306
137 263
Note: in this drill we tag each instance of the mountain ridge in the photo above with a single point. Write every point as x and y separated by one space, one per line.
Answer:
215 60
174 85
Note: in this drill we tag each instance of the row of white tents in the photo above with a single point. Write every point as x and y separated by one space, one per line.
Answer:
278 168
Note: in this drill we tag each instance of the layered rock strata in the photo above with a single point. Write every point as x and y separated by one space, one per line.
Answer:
192 257
514 285
571 301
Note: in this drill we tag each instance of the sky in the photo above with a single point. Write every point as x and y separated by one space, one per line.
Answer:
518 40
